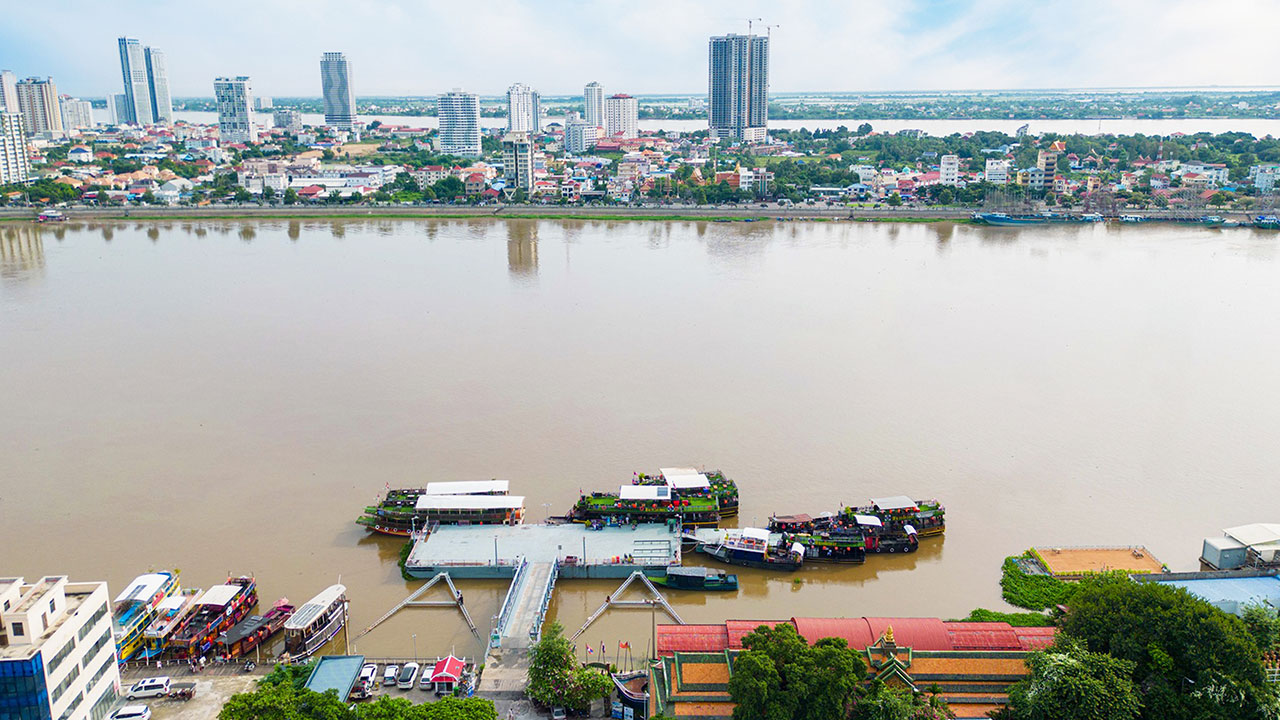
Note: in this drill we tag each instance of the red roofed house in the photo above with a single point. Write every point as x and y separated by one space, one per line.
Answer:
446 673
311 192
972 663
474 184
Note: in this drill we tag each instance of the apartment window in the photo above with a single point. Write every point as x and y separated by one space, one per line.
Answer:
74 673
52 607
56 660
92 652
104 703
88 626
44 619
17 629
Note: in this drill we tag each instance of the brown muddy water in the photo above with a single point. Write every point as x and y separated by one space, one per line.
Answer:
225 396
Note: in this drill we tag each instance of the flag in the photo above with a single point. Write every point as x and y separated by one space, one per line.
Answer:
590 650
601 647
624 645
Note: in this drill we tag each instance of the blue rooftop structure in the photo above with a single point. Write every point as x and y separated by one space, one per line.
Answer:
1229 592
336 672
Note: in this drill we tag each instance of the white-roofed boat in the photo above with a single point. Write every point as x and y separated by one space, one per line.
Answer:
217 609
135 607
171 614
315 623
478 502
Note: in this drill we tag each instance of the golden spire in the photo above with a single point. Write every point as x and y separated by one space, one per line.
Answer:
888 634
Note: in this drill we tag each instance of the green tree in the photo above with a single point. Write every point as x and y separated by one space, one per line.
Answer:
556 679
946 196
268 193
894 200
778 676
455 708
448 188
242 195
882 702
290 196
1067 682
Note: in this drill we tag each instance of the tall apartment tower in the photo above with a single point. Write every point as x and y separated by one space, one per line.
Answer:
593 101
339 94
8 91
76 114
38 101
57 655
235 110
459 114
524 109
738 87
137 91
14 165
517 160
158 87
621 116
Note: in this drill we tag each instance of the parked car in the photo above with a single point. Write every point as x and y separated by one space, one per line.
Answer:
368 672
408 674
149 688
389 675
558 713
132 712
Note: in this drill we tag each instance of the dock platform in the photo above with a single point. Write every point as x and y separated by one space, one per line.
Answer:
496 551
1074 563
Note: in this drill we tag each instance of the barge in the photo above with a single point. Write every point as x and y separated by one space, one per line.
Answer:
696 578
635 504
135 608
218 609
315 623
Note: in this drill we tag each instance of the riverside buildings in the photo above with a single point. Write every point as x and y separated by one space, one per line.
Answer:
580 135
57 655
459 123
738 87
234 98
14 165
517 161
76 114
339 94
524 109
146 84
38 102
8 92
621 113
593 101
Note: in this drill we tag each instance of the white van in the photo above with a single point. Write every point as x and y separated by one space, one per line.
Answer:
408 674
149 688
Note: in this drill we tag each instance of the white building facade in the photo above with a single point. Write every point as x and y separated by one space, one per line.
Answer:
524 109
235 110
57 654
580 136
38 102
459 123
621 116
593 104
15 168
997 172
339 93
8 92
949 170
76 114
517 161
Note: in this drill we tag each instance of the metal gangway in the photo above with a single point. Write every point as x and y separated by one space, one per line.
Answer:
413 601
657 600
525 608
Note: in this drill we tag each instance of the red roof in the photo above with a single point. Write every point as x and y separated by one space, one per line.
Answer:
916 633
859 632
692 638
447 670
1035 638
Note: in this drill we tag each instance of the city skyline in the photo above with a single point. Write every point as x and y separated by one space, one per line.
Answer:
819 46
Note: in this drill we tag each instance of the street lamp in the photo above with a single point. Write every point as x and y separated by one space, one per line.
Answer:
415 647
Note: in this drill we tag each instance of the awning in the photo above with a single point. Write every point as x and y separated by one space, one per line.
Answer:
895 502
644 492
470 502
870 520
756 534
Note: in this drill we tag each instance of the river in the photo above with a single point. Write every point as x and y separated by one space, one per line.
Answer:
1259 127
224 396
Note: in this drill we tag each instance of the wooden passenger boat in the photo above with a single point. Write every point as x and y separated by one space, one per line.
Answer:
135 608
689 482
315 623
404 511
253 631
645 504
750 547
219 608
171 614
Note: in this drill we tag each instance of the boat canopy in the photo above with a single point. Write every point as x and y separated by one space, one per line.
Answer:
220 594
1255 534
756 534
797 549
871 520
242 630
644 492
470 502
896 502
468 487
173 602
685 478
692 571
314 608
144 587
793 519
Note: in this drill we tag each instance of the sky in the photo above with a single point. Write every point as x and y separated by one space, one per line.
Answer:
425 47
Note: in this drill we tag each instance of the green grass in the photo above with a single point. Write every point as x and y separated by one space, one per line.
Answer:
1033 592
1016 619
404 558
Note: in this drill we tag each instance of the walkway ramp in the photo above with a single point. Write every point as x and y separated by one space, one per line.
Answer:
521 625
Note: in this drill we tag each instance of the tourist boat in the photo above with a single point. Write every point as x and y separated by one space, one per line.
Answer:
315 623
171 614
689 482
927 517
52 216
219 608
135 608
750 547
1091 217
633 690
1132 219
1006 220
696 578
405 511
645 504
1267 222
253 631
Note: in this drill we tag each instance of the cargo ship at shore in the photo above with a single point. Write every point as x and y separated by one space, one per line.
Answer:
405 511
218 609
135 608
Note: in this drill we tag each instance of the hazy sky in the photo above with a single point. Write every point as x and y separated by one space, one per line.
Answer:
648 46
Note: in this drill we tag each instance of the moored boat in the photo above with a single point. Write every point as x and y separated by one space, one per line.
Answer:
254 630
645 504
750 547
315 623
927 517
696 578
1267 222
1005 220
690 482
135 607
403 512
171 614
218 608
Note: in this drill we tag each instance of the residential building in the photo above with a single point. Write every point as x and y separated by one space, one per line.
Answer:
1037 178
524 109
517 161
76 114
288 120
38 102
459 114
1264 177
14 166
738 87
339 93
57 655
593 104
580 136
116 109
8 92
621 116
1047 160
949 170
158 86
262 103
997 172
429 175
234 98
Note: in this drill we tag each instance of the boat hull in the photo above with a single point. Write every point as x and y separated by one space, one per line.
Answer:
750 560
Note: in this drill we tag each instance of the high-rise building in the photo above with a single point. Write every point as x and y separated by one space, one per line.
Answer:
38 101
339 94
158 86
621 113
517 160
57 655
997 171
8 91
76 114
524 109
459 114
235 110
116 109
580 136
288 120
738 87
14 166
949 170
593 102
263 103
